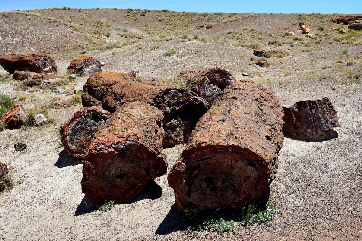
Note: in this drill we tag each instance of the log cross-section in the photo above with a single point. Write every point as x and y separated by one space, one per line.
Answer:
124 155
232 154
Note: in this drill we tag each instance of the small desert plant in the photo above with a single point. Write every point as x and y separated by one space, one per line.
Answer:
170 53
6 102
106 206
345 51
253 214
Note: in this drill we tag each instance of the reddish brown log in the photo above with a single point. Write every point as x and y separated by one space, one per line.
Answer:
78 132
84 65
124 155
39 63
310 120
209 83
346 19
13 118
232 153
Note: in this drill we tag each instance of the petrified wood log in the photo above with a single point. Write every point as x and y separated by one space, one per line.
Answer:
78 132
124 155
209 83
346 19
356 25
304 27
39 63
182 109
232 153
84 65
13 118
310 120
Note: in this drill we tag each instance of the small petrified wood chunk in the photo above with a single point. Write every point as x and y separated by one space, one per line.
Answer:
13 118
78 132
84 65
39 63
232 154
182 109
311 120
209 83
124 155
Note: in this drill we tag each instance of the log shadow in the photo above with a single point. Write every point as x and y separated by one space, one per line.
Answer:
174 221
85 206
65 160
331 134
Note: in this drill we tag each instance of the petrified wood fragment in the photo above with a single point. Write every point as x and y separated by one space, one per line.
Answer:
84 65
304 27
13 118
311 120
78 132
124 155
232 153
39 63
209 83
182 109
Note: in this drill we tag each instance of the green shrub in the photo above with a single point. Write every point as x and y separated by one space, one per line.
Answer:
106 206
6 102
253 214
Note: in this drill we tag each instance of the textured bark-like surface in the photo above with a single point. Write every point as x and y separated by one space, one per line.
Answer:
232 154
39 63
209 83
84 65
112 89
13 118
124 155
3 171
182 109
78 132
311 120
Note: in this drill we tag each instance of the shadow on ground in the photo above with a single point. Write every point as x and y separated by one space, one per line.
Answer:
174 221
65 160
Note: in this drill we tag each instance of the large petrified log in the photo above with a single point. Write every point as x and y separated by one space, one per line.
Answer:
346 19
13 118
39 63
84 65
311 120
78 132
124 155
356 25
209 83
232 153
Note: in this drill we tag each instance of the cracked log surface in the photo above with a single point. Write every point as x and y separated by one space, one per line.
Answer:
232 153
124 155
39 63
78 132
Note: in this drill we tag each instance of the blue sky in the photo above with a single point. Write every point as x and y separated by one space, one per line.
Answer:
227 6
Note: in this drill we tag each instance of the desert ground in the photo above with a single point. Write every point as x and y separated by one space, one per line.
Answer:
318 188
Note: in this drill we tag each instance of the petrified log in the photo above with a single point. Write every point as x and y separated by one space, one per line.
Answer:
356 25
232 154
263 63
124 155
346 19
78 132
182 109
3 171
13 118
259 52
310 120
84 65
304 27
39 63
112 89
209 83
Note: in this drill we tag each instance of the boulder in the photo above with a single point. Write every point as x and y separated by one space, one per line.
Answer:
259 52
304 27
231 157
14 117
84 65
39 63
311 120
356 25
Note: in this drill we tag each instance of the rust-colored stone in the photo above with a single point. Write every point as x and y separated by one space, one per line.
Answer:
84 65
78 132
311 120
124 155
209 83
232 154
263 63
13 118
39 63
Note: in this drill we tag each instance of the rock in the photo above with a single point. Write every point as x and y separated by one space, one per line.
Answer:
39 63
259 52
40 119
342 31
232 154
13 118
245 74
19 146
262 63
84 65
346 19
78 132
356 25
310 120
304 27
124 155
